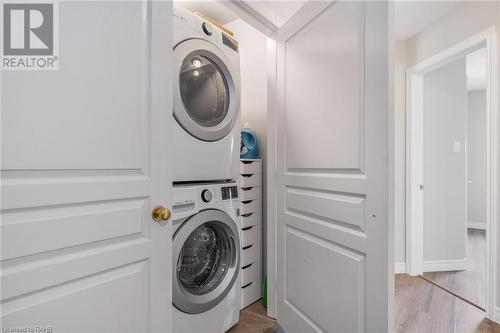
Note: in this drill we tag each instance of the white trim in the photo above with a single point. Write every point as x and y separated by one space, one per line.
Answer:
400 268
496 315
414 171
264 11
466 160
445 265
414 176
272 219
252 14
492 227
476 225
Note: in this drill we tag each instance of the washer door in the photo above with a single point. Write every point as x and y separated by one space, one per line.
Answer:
206 255
206 100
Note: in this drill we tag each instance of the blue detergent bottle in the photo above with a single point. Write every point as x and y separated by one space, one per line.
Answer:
249 148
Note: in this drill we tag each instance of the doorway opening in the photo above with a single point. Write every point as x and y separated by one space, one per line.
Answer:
454 177
451 170
253 56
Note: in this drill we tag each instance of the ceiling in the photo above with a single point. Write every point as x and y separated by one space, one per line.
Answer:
476 70
411 17
275 11
283 9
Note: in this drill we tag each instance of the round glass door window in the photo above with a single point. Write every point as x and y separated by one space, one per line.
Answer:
204 90
206 253
204 259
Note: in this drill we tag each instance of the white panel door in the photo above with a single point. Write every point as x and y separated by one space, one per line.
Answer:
333 257
84 161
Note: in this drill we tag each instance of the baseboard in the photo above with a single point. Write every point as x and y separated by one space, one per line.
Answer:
476 225
496 315
445 265
400 268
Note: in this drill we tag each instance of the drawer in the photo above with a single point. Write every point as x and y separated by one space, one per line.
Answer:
252 206
250 293
250 273
250 235
250 193
250 254
251 219
250 180
249 167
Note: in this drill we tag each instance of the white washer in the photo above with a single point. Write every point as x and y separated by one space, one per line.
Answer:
206 258
206 100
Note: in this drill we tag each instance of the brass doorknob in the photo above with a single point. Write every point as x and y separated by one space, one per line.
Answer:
161 213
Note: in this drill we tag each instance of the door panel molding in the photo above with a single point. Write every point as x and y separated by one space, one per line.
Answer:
352 317
24 193
81 224
345 121
334 207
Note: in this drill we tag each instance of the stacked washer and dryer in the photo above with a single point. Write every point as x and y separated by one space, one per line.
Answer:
206 240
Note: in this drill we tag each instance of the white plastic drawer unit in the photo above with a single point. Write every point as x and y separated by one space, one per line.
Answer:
251 206
250 235
250 193
250 272
250 180
250 219
250 292
250 254
248 167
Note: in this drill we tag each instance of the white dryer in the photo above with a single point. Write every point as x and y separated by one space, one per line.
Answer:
206 258
206 100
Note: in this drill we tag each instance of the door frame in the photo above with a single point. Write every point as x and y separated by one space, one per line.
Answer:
414 154
258 16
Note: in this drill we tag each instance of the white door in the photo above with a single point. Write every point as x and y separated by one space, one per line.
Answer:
84 160
333 257
444 207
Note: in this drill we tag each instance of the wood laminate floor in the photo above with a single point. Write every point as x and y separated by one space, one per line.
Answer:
470 283
423 307
253 319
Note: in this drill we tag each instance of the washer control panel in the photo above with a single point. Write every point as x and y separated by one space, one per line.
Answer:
229 192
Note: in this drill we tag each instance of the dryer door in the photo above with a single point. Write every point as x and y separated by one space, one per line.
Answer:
206 252
206 90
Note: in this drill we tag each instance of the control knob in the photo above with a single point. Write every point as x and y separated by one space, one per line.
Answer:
207 28
206 196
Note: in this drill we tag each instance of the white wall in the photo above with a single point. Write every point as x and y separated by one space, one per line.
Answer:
445 107
468 19
476 156
253 63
